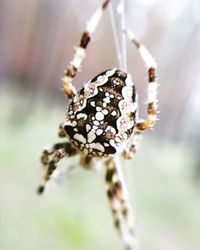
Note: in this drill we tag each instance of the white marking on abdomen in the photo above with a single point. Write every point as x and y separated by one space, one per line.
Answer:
80 138
91 136
97 146
99 116
70 123
81 115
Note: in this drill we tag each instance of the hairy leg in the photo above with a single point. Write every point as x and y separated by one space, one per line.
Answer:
61 131
50 158
149 61
119 203
133 148
79 55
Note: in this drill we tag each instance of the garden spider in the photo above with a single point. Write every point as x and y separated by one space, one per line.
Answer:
101 124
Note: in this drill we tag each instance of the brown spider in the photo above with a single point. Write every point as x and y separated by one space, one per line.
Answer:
101 124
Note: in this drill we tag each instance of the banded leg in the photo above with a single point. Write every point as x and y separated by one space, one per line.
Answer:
75 64
152 87
50 150
119 203
61 131
50 158
133 148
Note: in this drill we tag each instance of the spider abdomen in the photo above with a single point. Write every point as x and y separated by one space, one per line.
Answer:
101 116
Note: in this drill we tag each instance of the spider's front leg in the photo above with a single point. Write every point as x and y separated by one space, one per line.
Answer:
152 86
142 125
119 203
50 158
79 55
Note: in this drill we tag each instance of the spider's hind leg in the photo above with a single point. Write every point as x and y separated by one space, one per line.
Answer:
119 203
50 158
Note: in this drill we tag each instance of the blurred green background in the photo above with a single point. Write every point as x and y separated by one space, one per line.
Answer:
36 42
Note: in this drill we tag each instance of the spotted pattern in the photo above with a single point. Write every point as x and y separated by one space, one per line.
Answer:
101 116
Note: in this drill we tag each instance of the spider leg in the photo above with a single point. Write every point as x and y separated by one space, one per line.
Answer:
61 131
152 87
119 203
79 55
89 162
50 158
48 151
133 148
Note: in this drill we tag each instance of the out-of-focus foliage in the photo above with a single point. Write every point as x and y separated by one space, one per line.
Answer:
36 42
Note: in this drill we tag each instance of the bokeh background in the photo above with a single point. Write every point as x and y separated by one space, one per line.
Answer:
36 42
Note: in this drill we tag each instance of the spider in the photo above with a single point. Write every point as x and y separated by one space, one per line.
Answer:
101 124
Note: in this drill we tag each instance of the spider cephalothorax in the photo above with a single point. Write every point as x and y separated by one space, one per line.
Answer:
102 124
101 116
